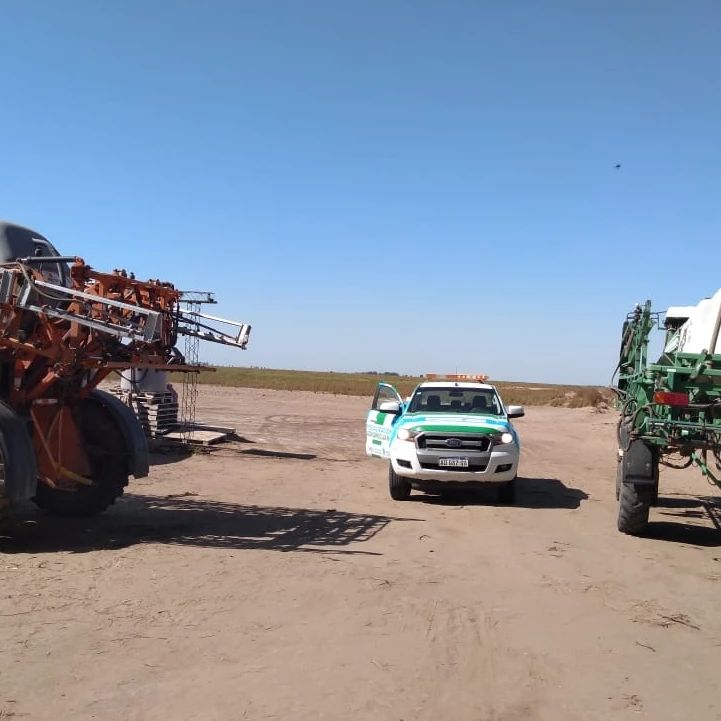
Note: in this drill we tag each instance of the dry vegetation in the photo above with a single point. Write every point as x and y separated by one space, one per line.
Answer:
363 384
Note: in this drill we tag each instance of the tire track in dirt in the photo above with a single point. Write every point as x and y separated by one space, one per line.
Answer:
469 650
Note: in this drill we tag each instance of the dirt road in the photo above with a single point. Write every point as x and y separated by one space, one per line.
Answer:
275 579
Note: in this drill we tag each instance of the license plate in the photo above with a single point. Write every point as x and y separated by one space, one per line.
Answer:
453 462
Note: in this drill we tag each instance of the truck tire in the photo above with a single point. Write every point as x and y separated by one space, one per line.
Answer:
507 493
109 456
634 504
399 487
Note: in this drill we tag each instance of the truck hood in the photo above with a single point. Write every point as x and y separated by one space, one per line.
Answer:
454 423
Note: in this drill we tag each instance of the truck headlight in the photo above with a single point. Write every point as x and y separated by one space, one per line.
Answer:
506 438
405 434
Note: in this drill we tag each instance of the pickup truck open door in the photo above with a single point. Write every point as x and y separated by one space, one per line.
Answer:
386 409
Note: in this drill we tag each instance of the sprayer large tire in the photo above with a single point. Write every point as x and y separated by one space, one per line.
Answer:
633 508
398 486
107 451
17 457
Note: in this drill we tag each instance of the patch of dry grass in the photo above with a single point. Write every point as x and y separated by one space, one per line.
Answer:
363 384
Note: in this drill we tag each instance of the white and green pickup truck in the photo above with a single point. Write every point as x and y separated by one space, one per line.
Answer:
450 433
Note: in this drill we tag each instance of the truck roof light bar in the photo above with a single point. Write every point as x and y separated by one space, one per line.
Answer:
476 378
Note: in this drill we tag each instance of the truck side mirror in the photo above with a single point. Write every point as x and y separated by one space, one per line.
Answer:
515 412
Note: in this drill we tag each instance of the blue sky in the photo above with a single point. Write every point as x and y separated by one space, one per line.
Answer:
410 186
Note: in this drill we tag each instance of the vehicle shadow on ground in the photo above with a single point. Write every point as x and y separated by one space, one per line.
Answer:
530 493
277 454
164 456
694 521
185 520
162 451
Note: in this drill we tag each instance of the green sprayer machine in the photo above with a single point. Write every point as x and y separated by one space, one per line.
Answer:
670 409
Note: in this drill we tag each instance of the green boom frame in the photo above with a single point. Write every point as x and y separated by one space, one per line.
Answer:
670 412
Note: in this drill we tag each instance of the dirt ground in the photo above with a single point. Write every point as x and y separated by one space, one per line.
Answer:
274 578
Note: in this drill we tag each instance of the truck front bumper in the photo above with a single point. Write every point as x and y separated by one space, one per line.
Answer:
498 465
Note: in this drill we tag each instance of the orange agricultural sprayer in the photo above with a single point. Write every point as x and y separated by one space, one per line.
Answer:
64 327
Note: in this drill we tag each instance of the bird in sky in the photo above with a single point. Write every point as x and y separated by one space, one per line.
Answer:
617 166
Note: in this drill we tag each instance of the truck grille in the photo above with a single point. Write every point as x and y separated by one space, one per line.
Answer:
477 443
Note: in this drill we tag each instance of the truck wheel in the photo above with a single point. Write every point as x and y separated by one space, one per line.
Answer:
507 493
398 486
634 504
107 451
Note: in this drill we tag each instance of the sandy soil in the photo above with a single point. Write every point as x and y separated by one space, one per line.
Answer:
275 579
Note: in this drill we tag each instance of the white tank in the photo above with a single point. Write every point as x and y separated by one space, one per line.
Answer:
695 335
144 380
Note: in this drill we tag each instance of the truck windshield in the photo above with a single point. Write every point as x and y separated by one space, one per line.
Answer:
456 400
